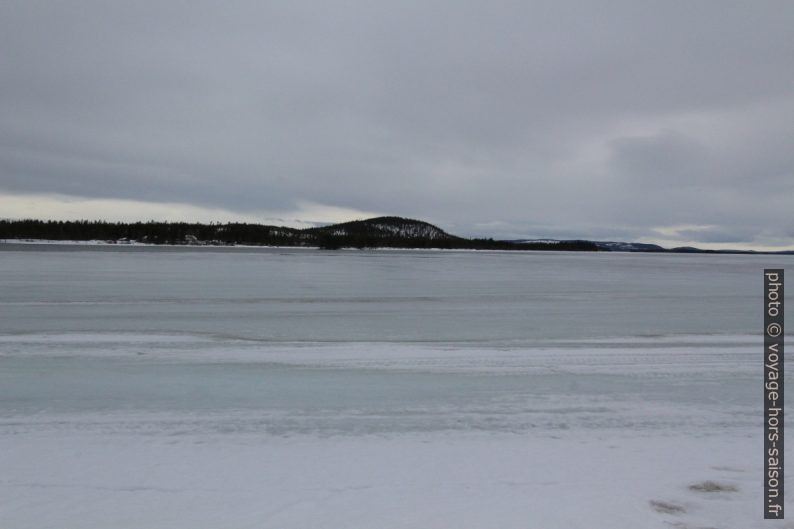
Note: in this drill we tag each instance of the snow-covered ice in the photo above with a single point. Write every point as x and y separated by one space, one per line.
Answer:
271 389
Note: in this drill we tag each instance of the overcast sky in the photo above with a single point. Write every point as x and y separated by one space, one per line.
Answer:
668 121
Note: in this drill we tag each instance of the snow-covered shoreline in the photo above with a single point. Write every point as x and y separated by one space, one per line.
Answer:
100 243
141 244
173 431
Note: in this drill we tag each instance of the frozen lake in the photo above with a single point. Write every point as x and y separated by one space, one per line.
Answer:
289 388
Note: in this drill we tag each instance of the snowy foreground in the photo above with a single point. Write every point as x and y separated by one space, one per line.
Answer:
170 431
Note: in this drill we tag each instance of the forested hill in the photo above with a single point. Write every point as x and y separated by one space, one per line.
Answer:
380 232
385 227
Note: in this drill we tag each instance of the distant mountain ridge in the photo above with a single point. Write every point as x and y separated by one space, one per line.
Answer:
609 246
614 246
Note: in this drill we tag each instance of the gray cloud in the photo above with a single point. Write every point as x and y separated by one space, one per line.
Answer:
661 160
718 234
528 119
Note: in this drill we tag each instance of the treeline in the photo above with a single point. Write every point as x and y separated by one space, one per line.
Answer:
334 242
148 232
360 234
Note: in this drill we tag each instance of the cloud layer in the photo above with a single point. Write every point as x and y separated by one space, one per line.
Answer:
648 121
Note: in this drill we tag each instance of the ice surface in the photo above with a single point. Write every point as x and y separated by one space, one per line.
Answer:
211 388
